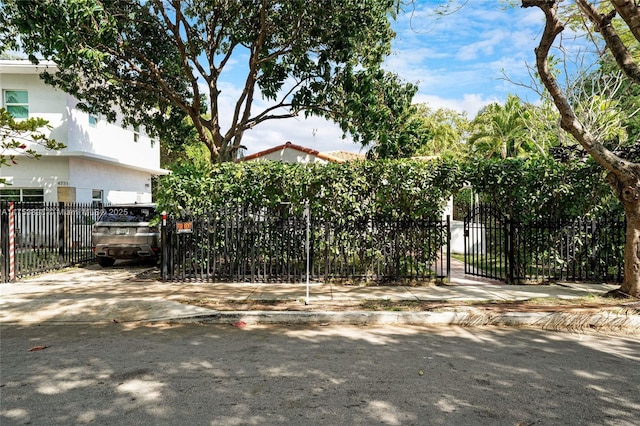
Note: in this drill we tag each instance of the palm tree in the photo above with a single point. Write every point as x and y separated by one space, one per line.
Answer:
499 131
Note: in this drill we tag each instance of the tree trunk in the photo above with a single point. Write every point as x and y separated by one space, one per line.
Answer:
624 176
628 192
631 284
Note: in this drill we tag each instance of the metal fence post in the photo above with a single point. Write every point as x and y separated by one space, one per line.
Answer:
510 258
448 249
61 232
4 236
164 241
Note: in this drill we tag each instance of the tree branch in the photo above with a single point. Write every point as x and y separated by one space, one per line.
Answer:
603 25
630 13
569 121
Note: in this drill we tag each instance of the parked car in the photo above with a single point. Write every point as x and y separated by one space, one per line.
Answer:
126 231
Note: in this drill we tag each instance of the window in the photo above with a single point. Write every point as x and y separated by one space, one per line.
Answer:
136 133
96 197
27 195
17 103
93 120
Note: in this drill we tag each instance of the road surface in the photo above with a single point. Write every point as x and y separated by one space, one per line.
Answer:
354 375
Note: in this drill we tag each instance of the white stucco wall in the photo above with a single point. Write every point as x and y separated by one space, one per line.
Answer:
44 102
119 186
71 126
44 173
110 140
104 156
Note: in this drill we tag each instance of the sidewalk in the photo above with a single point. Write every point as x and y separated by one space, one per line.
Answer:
95 296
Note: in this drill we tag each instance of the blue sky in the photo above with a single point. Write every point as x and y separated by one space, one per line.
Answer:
458 61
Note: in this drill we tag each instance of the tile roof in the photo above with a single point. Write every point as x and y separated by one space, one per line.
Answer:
333 156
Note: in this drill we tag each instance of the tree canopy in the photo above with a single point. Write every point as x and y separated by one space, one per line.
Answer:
160 60
447 130
499 131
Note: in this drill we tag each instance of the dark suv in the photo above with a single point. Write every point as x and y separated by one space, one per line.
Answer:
126 231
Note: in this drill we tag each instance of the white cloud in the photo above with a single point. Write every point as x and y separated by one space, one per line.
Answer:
469 103
313 132
486 46
459 61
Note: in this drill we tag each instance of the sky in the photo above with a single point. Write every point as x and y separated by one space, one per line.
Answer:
459 60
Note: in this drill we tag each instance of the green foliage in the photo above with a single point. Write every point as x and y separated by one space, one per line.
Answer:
529 189
500 131
390 189
393 189
447 130
154 59
21 137
627 98
375 107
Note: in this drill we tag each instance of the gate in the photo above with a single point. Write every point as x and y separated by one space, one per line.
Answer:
487 244
40 237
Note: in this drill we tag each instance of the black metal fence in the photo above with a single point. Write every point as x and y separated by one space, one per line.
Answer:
240 243
39 237
547 249
576 250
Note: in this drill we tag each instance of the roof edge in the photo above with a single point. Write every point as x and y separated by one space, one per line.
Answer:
291 145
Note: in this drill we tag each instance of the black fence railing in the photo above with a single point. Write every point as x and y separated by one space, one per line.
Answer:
39 237
575 250
273 245
245 244
547 249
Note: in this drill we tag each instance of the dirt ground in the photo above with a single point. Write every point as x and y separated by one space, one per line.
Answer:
592 304
615 303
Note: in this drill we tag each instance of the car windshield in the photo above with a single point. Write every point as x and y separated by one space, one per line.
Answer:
127 214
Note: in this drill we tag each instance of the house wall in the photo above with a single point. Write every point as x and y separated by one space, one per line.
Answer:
74 179
44 102
103 156
71 126
46 173
110 140
87 175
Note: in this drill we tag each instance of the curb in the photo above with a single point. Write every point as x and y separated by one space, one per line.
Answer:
546 320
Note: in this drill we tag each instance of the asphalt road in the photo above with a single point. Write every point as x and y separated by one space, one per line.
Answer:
192 374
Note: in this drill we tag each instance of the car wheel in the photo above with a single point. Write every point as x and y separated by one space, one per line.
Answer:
106 261
150 260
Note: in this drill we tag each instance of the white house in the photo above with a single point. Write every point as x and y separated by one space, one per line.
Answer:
292 153
103 162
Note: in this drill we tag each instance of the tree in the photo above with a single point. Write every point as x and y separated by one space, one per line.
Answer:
623 175
21 137
158 57
375 107
499 131
447 129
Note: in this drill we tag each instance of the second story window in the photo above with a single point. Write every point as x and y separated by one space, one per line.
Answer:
136 133
17 103
93 120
